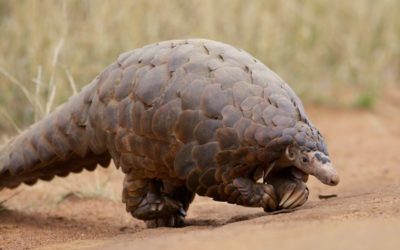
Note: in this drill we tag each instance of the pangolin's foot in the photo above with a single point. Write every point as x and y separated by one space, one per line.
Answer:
158 210
158 203
256 194
291 190
174 220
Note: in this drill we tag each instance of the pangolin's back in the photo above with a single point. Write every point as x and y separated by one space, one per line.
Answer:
151 103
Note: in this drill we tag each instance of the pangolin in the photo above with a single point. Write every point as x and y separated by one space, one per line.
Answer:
180 118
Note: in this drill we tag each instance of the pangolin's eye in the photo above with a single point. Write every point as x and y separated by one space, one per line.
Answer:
304 159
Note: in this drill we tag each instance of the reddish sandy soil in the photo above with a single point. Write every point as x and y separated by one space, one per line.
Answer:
364 147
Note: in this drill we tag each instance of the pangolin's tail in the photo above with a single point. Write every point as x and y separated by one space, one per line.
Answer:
62 142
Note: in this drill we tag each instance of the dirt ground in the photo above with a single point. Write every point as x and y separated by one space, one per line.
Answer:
364 147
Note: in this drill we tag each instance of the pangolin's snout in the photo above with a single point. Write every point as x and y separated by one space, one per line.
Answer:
334 180
326 174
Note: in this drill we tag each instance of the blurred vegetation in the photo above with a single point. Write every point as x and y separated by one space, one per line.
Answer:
332 52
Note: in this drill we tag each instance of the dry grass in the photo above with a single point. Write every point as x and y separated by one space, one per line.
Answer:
332 52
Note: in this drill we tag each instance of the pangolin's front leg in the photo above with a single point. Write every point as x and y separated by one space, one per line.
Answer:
253 194
291 190
281 192
240 190
157 203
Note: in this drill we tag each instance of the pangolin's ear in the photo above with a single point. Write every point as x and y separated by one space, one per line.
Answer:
289 153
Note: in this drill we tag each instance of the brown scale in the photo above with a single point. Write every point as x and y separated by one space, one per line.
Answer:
179 118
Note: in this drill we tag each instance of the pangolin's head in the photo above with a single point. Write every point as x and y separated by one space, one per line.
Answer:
312 162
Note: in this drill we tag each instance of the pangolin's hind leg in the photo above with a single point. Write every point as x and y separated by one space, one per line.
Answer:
178 198
158 206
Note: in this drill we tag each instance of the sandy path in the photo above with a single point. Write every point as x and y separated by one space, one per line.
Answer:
363 221
295 235
365 214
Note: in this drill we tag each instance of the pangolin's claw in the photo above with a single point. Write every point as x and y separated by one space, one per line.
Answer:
287 193
293 195
301 200
269 198
182 212
268 203
291 192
